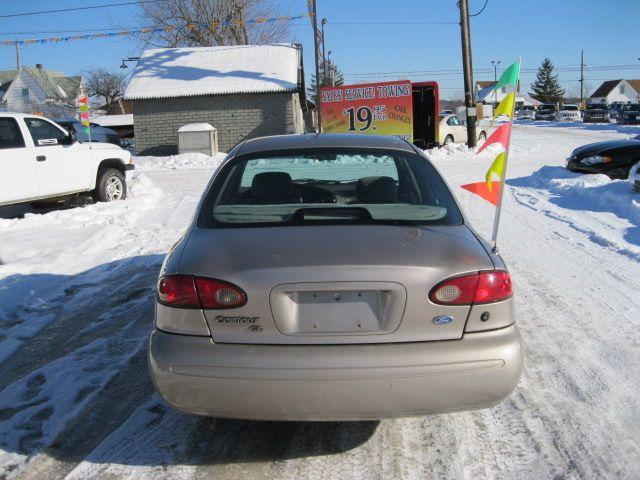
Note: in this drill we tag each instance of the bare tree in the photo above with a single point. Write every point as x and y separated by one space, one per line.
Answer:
205 23
108 85
574 92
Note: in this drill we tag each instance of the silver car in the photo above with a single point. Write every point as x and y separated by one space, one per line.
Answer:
332 277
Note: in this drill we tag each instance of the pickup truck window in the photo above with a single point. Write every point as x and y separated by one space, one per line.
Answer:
44 133
10 136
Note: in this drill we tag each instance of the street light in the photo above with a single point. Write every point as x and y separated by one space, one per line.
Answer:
130 59
495 64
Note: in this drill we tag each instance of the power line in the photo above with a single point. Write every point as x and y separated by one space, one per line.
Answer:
40 32
74 9
486 2
62 31
151 1
103 35
439 72
395 23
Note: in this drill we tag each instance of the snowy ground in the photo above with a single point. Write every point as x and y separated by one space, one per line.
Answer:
76 293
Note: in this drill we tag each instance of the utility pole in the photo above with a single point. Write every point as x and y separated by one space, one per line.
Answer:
581 78
495 64
468 73
324 58
316 52
17 56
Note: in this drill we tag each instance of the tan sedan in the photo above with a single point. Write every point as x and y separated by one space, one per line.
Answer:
332 277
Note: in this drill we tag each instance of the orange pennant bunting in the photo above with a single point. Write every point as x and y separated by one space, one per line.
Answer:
482 190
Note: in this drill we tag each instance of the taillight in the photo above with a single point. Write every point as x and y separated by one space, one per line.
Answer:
481 287
178 291
199 292
493 287
217 294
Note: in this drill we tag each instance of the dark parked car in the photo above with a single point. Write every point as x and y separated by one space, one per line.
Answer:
613 158
615 109
596 113
546 111
630 114
98 133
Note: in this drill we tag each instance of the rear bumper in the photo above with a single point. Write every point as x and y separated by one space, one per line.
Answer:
587 119
334 382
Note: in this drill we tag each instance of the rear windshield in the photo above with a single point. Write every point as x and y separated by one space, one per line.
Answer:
328 187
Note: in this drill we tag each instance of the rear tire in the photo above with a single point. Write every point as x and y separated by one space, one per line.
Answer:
482 137
448 140
111 185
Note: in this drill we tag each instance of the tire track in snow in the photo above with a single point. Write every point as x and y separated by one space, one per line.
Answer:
98 326
92 306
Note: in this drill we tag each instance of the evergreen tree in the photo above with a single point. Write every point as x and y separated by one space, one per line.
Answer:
546 88
334 78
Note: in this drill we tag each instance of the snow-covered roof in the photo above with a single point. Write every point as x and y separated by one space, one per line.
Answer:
55 85
113 120
196 127
180 72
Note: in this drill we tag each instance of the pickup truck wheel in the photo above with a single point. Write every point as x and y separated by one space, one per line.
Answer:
448 140
482 137
111 186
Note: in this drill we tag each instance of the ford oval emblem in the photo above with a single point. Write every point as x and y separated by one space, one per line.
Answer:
442 320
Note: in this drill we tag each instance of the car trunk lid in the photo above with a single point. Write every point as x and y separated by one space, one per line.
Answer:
335 284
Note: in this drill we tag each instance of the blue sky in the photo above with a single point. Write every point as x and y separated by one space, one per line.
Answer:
371 39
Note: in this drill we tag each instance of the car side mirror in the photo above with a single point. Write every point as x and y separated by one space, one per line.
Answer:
72 138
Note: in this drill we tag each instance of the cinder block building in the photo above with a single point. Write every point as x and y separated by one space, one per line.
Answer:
244 91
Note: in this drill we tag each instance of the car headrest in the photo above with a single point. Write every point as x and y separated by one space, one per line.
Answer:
377 190
272 185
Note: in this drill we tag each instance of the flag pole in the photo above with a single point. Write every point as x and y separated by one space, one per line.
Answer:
496 221
89 129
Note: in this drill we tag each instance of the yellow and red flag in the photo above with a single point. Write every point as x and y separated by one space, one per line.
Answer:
501 136
492 190
84 115
505 107
496 168
482 189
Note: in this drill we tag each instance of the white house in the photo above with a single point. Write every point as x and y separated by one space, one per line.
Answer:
484 93
36 90
624 91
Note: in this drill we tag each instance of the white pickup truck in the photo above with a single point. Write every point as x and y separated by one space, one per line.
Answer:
39 160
